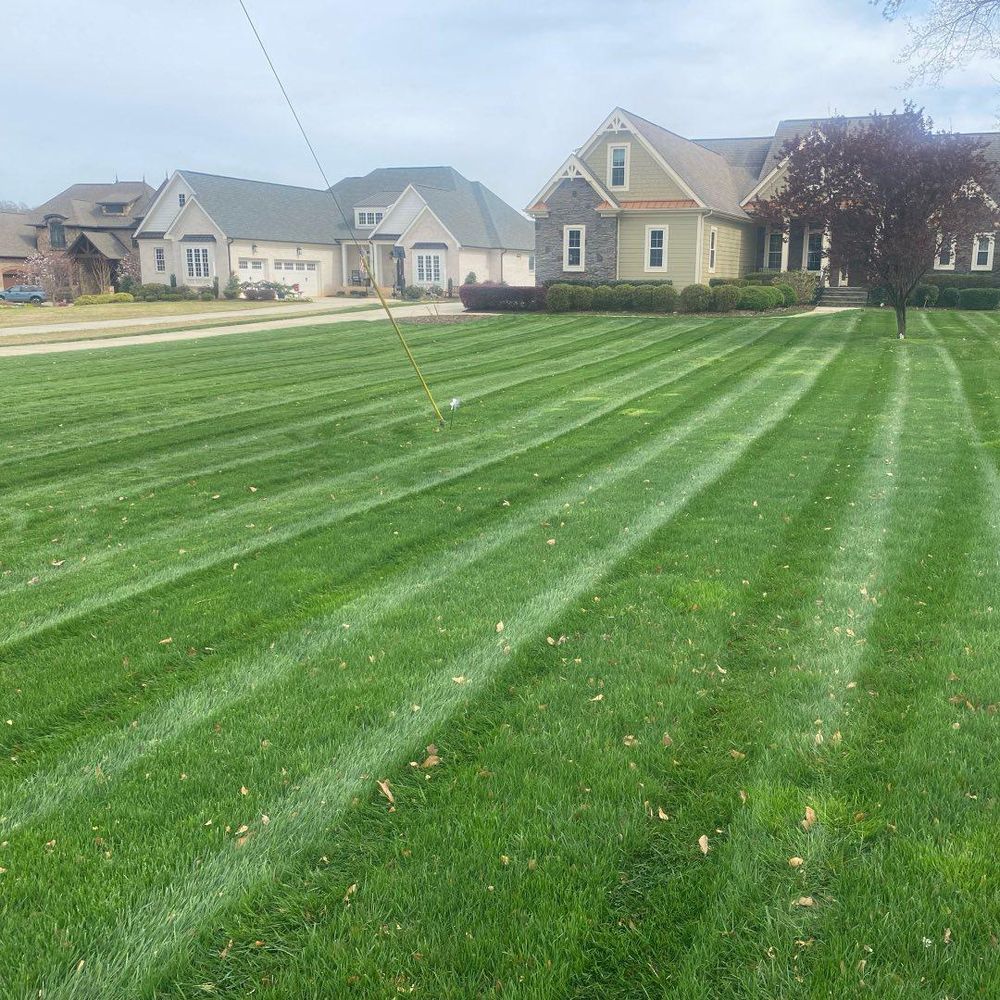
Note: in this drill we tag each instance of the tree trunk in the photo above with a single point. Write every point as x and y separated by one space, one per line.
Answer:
901 320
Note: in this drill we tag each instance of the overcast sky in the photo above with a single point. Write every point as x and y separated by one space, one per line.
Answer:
501 90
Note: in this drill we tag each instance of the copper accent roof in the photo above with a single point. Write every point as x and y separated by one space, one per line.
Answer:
662 203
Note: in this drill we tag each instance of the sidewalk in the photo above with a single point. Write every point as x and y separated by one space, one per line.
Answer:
372 315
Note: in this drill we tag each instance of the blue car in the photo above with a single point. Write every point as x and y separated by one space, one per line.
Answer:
34 294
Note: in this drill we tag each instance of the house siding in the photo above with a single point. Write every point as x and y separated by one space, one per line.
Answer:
682 247
647 179
573 203
735 249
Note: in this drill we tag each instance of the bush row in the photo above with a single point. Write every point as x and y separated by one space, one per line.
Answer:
665 299
614 283
105 298
505 298
926 295
154 292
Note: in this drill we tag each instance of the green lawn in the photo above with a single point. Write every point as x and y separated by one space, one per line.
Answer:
660 580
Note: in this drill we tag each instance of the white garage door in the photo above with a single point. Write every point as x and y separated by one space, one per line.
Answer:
304 273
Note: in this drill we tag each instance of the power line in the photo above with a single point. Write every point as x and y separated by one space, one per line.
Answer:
350 227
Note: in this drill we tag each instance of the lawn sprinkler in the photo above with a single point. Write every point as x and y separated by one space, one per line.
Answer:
455 404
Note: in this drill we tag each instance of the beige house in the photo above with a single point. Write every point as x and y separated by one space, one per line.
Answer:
425 226
17 243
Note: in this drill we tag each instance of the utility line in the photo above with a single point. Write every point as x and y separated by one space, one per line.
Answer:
350 227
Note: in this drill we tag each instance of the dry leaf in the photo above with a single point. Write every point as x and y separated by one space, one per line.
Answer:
432 757
225 951
737 754
807 823
661 813
667 741
743 796
459 680
551 541
244 790
703 844
796 862
805 901
947 935
167 641
265 819
351 890
598 697
630 741
243 829
383 787
499 626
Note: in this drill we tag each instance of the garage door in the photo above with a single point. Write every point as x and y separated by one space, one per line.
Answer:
304 273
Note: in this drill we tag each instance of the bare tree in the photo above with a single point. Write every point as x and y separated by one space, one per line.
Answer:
948 34
9 205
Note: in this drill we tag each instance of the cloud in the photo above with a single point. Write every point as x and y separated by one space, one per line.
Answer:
501 91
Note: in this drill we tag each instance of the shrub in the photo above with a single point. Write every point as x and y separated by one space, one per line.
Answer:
207 295
232 289
788 295
696 298
924 295
259 294
581 298
643 298
805 284
979 298
719 282
604 297
558 298
413 293
877 296
725 298
623 297
151 292
757 298
986 280
949 297
664 298
470 278
105 298
610 283
502 298
762 277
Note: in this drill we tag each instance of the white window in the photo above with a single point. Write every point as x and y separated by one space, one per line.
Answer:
244 264
813 251
713 244
256 265
982 252
428 268
181 198
160 257
656 248
774 251
531 262
310 266
945 259
618 157
574 248
367 217
197 262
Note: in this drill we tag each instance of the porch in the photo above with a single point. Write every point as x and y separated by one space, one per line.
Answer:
800 246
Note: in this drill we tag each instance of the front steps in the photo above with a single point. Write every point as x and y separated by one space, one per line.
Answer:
848 297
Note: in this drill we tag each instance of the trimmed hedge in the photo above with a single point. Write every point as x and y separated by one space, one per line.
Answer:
762 277
609 284
979 298
502 298
757 298
985 280
719 282
104 299
950 297
696 298
623 297
925 295
153 292
788 295
725 297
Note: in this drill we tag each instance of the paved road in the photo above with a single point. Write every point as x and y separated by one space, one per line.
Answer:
290 309
286 322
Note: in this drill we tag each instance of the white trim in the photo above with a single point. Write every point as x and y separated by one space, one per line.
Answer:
713 248
196 258
988 266
627 146
582 266
807 231
160 260
762 183
161 194
618 121
377 214
938 266
647 249
441 257
573 168
416 219
768 233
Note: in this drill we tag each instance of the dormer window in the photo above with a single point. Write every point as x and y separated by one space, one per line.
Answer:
181 199
367 218
113 208
618 157
57 235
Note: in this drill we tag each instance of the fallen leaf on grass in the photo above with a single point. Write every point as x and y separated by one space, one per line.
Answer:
805 901
499 626
383 787
630 741
551 541
351 890
225 951
461 679
667 741
947 935
807 823
703 844
598 697
743 796
244 790
661 813
737 754
432 757
796 862
167 641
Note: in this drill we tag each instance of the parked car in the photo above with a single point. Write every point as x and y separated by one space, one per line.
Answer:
34 294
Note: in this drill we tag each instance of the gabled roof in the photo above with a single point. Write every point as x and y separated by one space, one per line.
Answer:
748 154
261 210
79 204
716 181
107 243
17 235
470 210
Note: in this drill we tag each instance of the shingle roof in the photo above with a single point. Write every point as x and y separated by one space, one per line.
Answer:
17 235
80 204
718 183
108 243
748 153
247 209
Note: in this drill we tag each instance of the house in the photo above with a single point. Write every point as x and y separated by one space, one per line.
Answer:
17 243
426 226
641 203
93 224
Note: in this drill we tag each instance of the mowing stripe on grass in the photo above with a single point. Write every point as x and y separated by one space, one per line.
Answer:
148 934
100 760
21 632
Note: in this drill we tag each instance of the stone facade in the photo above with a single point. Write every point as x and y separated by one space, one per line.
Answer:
573 203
